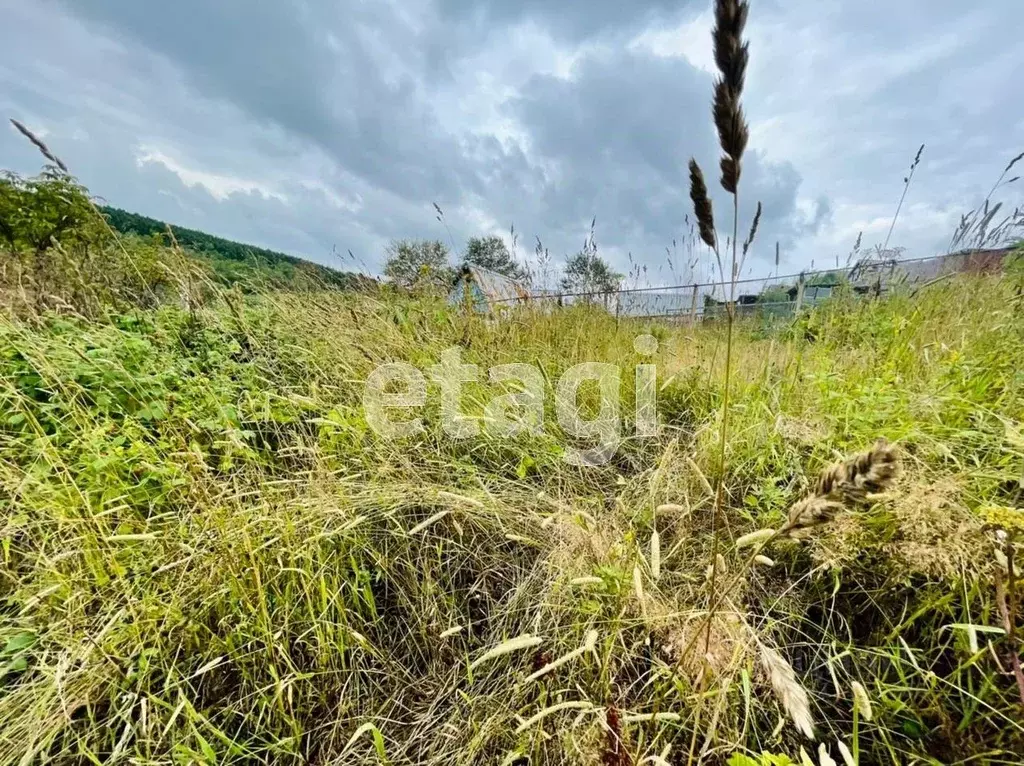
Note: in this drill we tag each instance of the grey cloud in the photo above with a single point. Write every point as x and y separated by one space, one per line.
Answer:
356 116
858 93
319 71
570 20
621 151
123 102
291 91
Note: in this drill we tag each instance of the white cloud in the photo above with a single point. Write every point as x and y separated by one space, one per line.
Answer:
342 202
220 187
849 95
690 40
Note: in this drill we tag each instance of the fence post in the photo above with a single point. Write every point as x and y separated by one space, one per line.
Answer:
693 306
800 293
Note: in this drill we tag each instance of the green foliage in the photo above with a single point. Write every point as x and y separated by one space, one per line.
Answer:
233 262
1015 261
13 657
587 272
205 544
419 264
491 253
774 294
828 279
36 212
60 252
765 759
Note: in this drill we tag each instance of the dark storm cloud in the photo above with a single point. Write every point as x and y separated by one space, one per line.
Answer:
620 152
305 125
343 76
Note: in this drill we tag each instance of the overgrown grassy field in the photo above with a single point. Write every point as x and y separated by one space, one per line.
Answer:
209 557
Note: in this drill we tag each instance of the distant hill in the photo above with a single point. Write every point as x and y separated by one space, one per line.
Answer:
234 261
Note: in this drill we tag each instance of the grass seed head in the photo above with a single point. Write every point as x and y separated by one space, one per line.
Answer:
791 695
824 759
850 481
702 205
861 700
655 555
863 474
844 751
731 57
38 142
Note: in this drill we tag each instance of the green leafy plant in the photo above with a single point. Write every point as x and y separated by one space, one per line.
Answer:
419 264
493 254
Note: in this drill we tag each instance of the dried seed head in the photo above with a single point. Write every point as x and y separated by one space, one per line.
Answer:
1014 161
669 508
655 555
731 57
732 133
731 170
790 693
43 149
812 511
848 482
754 538
861 700
844 751
702 205
731 53
824 759
868 472
753 233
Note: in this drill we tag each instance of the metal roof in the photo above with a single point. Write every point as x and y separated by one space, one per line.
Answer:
488 287
924 270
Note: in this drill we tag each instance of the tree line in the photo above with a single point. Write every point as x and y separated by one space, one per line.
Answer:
230 261
428 264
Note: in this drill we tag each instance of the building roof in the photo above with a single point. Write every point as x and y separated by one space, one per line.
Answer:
488 288
924 270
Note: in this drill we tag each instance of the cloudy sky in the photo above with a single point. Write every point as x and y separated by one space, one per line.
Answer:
321 126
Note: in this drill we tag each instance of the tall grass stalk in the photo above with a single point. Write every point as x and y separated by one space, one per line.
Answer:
731 57
903 196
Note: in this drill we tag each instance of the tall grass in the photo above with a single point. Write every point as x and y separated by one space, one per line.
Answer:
209 557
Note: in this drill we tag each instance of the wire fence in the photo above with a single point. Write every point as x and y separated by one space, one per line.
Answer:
774 295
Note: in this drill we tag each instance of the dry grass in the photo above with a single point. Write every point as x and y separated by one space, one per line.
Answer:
208 556
842 484
262 602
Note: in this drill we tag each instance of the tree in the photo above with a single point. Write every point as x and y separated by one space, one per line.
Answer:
35 212
587 272
421 264
56 247
492 254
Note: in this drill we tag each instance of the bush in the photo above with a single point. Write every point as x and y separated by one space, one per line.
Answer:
60 253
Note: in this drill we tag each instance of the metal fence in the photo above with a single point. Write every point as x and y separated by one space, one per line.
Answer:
771 296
